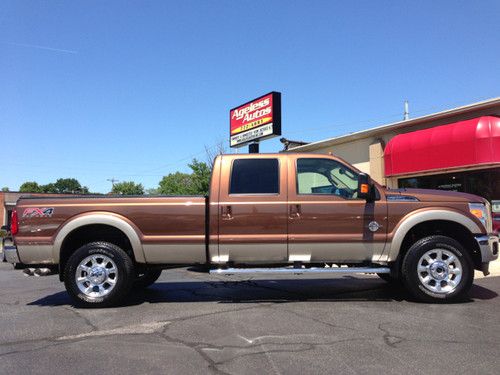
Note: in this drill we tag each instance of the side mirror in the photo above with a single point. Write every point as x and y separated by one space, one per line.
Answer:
365 188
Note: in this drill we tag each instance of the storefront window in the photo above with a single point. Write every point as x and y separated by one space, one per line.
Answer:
9 214
485 183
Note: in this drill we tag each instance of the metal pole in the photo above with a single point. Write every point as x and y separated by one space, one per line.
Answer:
253 148
407 111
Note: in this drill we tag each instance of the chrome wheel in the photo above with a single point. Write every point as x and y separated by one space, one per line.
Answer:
439 271
96 275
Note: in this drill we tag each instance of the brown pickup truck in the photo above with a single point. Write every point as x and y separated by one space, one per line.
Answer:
266 213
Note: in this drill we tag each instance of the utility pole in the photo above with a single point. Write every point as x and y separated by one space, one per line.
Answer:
407 111
112 180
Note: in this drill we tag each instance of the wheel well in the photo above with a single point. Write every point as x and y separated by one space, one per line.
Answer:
92 233
445 228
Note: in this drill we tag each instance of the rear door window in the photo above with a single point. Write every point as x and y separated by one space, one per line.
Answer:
255 176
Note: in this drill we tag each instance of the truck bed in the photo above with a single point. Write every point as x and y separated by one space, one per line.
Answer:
170 229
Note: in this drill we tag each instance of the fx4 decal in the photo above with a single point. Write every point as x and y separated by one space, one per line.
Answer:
38 212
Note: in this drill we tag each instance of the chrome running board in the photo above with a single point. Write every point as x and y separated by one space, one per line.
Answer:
298 271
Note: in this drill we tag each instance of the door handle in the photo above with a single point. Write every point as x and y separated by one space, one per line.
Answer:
295 211
227 213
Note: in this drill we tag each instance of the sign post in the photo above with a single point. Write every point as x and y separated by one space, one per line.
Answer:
255 120
253 148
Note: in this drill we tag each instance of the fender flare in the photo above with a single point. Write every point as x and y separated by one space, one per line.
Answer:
103 218
420 216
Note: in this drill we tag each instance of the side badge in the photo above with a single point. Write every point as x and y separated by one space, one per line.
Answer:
38 212
374 226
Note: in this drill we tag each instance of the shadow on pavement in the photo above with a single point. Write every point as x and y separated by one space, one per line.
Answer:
482 293
347 288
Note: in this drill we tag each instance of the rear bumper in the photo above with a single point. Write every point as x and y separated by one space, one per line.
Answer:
10 251
488 245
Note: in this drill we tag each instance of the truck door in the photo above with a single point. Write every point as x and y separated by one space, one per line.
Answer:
253 209
326 220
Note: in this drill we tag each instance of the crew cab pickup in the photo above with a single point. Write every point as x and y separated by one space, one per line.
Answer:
265 213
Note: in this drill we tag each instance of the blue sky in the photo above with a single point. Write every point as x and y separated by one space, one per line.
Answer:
135 89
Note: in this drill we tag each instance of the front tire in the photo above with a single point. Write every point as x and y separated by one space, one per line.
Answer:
438 269
99 274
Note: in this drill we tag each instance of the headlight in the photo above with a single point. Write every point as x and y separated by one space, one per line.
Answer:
479 210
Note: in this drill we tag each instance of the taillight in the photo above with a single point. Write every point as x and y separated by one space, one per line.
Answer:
14 225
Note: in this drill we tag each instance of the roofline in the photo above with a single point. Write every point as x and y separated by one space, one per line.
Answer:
397 125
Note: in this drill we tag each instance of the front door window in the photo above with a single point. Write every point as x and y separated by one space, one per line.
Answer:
326 177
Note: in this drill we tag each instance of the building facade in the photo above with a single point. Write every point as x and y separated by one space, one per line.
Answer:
7 204
456 149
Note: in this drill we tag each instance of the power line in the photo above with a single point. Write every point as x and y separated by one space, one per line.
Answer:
181 160
386 119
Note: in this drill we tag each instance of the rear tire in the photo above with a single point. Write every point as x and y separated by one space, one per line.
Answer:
388 278
99 274
438 269
147 278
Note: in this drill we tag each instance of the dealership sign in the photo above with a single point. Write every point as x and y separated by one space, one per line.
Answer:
255 120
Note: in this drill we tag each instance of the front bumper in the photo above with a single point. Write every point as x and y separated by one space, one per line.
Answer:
488 245
10 251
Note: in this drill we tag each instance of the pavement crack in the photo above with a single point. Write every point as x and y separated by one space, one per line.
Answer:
389 339
136 329
49 344
196 347
202 348
79 315
304 316
288 347
186 318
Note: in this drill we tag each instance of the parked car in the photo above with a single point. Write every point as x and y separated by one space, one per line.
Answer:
265 214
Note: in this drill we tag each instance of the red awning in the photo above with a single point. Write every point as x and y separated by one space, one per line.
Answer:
464 143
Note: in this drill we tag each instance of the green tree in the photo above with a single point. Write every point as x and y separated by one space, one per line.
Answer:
176 184
196 183
30 187
5 189
128 188
49 188
69 185
61 186
200 178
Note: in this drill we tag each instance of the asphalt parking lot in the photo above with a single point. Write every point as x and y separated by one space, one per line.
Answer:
190 322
